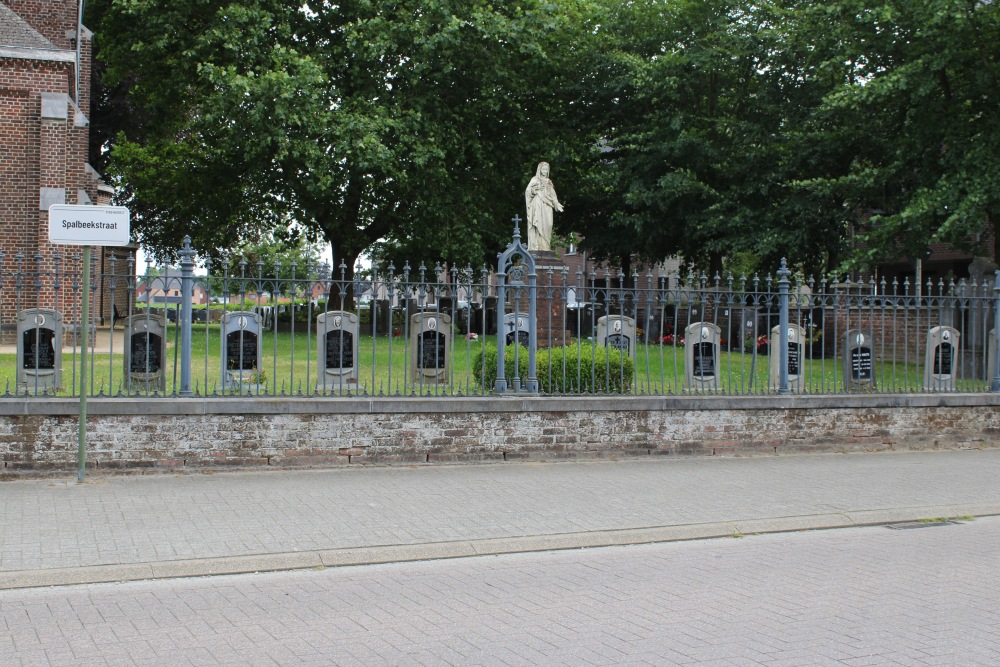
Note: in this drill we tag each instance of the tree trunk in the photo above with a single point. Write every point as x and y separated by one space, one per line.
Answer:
341 294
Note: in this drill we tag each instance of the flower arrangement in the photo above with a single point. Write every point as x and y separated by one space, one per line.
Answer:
671 339
258 376
472 336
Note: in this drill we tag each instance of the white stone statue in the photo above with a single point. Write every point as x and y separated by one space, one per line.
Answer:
540 198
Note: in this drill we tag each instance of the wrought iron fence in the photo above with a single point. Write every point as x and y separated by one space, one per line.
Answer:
445 331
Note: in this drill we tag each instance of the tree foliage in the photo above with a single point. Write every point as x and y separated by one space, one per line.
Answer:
707 113
410 122
711 129
771 128
920 99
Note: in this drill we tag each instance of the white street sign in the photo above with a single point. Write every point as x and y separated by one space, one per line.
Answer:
88 225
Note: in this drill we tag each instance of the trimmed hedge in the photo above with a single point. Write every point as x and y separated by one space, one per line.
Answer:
581 368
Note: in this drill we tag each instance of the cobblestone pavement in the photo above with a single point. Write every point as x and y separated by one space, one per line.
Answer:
157 518
863 596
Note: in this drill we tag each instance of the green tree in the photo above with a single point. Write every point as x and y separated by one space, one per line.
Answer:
706 117
918 105
414 122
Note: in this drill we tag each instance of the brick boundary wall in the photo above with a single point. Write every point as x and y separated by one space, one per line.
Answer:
40 435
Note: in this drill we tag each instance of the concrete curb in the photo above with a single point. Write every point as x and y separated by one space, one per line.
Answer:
400 553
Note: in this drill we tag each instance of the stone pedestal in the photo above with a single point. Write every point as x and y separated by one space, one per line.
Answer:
550 302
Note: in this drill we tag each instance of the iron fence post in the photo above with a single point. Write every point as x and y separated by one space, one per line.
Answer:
995 384
783 274
531 386
500 386
187 292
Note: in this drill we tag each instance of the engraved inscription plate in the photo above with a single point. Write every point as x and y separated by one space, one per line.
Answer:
39 349
522 338
249 349
703 360
942 359
794 350
861 363
339 349
431 350
619 341
144 353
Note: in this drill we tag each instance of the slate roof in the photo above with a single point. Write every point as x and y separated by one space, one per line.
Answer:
15 32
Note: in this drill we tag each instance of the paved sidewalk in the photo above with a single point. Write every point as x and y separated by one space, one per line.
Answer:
144 527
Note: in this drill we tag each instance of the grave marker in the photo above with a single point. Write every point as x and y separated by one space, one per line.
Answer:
337 340
516 325
39 350
145 352
859 360
796 357
941 359
241 352
618 332
430 346
701 353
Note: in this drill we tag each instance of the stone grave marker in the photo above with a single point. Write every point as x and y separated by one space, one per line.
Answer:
941 360
241 352
701 354
796 357
430 346
337 339
39 350
515 325
859 360
146 353
618 332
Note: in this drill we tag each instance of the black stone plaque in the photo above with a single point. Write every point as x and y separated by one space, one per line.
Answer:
522 338
619 342
431 350
339 349
861 363
704 360
249 349
39 349
942 359
794 350
144 353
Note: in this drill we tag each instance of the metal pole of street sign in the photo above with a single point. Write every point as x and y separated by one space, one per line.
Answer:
86 226
81 452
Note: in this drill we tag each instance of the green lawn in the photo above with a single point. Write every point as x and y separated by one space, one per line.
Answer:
289 364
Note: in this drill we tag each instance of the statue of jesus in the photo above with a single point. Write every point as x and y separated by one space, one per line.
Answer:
540 199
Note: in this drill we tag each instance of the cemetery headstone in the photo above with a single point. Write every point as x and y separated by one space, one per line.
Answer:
430 346
146 353
618 332
337 340
515 327
796 357
859 360
701 353
39 350
941 359
241 352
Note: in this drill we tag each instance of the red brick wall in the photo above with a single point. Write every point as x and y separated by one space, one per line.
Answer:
41 153
52 18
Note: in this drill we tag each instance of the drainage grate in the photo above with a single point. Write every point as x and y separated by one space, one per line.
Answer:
907 525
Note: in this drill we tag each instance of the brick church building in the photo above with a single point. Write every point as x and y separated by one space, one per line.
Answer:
45 56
